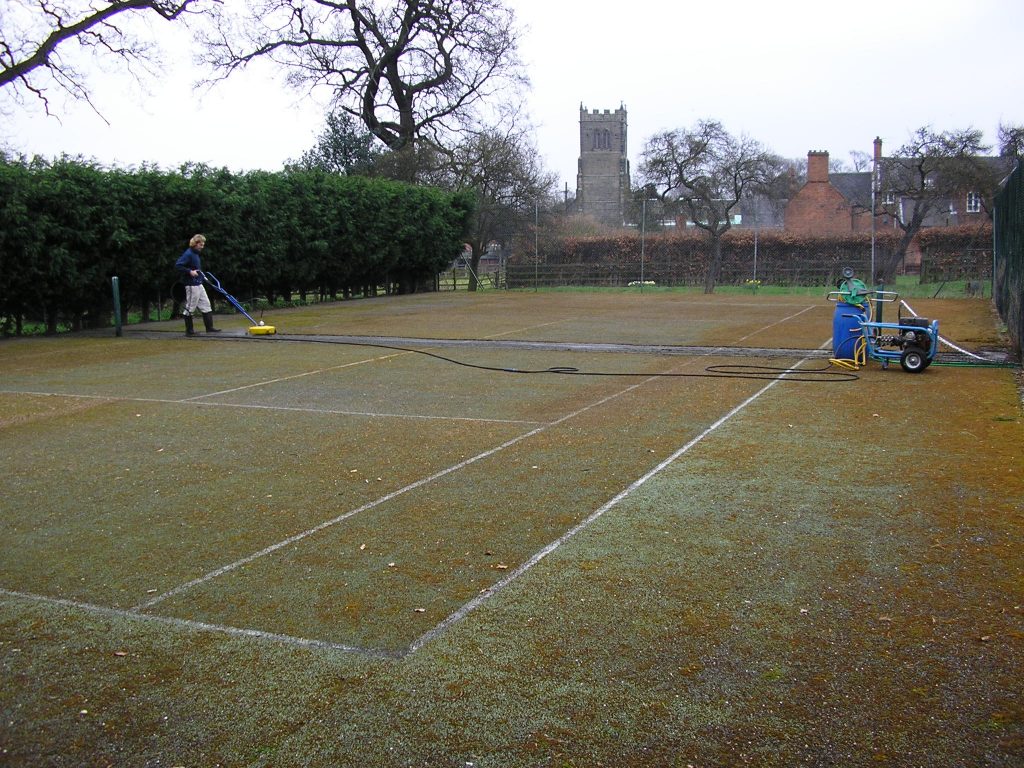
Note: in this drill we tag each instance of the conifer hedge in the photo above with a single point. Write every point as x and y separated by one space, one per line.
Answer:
68 226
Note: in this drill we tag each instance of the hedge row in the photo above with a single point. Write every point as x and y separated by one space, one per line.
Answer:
955 253
67 227
771 256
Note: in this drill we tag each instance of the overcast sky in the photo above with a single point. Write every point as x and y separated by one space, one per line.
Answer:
796 75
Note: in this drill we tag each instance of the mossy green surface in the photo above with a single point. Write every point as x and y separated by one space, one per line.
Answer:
833 576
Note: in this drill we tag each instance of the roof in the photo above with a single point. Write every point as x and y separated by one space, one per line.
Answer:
855 187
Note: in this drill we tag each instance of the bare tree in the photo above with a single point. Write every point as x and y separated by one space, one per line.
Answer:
708 171
503 171
35 36
926 175
410 71
1011 140
837 165
861 160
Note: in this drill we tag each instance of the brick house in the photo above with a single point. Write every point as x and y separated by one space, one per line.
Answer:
833 204
962 207
840 203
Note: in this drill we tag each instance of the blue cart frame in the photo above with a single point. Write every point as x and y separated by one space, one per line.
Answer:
913 341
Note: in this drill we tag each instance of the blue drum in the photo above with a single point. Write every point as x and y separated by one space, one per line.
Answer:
846 329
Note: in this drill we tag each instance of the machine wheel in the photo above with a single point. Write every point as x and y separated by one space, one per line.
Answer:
914 360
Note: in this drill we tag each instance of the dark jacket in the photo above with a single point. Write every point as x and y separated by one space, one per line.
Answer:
188 261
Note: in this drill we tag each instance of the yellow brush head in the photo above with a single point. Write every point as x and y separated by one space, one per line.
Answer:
262 330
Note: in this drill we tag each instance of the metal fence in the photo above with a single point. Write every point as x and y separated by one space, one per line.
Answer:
780 259
673 273
1008 277
458 279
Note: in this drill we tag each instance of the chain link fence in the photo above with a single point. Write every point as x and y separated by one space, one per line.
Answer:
1008 280
776 258
672 273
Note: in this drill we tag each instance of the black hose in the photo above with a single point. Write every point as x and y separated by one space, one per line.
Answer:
755 372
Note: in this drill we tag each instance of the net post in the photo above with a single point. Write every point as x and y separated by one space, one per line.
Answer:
115 287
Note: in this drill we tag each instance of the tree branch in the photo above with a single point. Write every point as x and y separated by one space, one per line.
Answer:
412 71
21 58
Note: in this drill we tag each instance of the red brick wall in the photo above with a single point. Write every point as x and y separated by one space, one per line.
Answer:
818 209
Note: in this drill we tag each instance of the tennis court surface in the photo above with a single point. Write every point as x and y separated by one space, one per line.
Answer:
510 529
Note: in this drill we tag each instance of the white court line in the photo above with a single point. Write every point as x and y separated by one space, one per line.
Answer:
369 505
777 322
945 341
209 576
330 411
135 612
111 398
295 376
196 398
525 328
368 414
743 338
491 591
202 626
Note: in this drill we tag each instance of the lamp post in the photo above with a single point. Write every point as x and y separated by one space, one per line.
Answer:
874 195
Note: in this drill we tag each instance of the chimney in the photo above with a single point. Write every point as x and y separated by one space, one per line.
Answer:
817 166
878 149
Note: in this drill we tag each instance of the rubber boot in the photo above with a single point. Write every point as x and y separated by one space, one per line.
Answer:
208 322
189 328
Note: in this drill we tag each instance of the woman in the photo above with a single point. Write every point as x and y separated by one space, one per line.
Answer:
190 270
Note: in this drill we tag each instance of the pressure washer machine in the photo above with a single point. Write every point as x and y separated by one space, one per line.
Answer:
859 333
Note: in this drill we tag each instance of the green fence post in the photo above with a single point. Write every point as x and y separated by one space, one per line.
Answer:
117 305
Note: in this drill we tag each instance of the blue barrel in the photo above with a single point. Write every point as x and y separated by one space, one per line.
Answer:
846 330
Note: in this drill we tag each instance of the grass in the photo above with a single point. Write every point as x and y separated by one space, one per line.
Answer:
831 576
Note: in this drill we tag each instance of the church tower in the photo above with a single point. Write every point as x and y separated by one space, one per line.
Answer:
602 179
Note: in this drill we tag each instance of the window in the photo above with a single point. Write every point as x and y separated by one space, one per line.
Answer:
602 138
973 202
890 198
